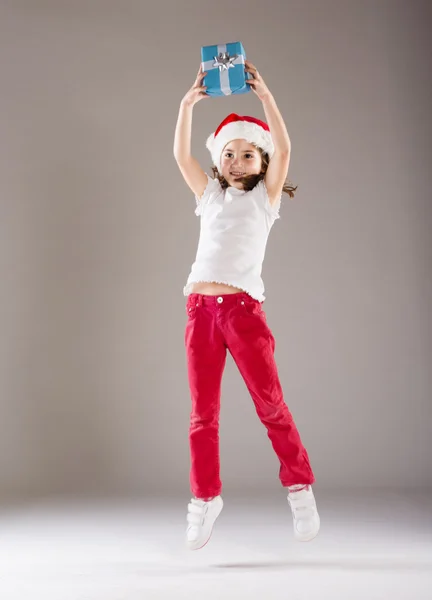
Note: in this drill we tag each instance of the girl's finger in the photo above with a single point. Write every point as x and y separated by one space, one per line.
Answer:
200 72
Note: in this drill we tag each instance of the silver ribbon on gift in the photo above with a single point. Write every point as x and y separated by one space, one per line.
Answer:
219 61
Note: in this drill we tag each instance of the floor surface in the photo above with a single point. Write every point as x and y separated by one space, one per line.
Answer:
371 546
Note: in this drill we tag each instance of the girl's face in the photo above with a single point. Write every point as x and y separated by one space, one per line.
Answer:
239 158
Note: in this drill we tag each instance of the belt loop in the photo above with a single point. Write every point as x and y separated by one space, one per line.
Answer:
199 299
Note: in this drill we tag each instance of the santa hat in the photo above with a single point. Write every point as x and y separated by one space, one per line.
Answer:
235 127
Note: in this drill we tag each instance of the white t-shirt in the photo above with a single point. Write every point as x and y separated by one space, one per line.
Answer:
235 226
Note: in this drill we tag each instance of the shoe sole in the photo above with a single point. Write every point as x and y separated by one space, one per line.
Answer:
308 539
200 547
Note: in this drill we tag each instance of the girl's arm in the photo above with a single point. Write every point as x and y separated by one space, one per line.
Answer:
277 171
191 170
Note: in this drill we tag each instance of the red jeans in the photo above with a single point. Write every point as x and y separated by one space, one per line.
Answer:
235 322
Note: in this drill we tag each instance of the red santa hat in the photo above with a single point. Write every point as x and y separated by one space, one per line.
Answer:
236 127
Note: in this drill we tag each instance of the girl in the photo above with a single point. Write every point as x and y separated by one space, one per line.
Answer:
224 295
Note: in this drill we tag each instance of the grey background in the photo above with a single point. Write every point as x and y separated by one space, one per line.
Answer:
97 236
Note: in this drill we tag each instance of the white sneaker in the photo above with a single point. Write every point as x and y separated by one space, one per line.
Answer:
201 517
304 510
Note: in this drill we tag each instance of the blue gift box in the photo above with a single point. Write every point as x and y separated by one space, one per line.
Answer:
225 67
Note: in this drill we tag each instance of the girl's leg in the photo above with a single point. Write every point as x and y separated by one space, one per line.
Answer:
206 356
252 345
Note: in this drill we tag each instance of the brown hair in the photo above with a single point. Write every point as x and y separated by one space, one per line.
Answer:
250 181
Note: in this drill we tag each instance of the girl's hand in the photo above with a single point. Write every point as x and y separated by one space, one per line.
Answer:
197 91
257 83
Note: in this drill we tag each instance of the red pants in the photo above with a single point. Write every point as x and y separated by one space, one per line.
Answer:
235 322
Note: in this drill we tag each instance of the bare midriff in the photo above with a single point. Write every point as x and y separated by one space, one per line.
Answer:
214 289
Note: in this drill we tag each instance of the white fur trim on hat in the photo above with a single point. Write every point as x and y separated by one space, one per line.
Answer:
245 130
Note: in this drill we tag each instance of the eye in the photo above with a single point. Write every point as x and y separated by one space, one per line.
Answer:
228 154
249 155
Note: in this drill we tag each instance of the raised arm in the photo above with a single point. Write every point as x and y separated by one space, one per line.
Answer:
190 168
277 171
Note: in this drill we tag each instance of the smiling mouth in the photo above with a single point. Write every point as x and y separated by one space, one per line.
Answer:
238 174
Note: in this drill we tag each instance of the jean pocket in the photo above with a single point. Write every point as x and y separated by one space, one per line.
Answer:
253 308
191 310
